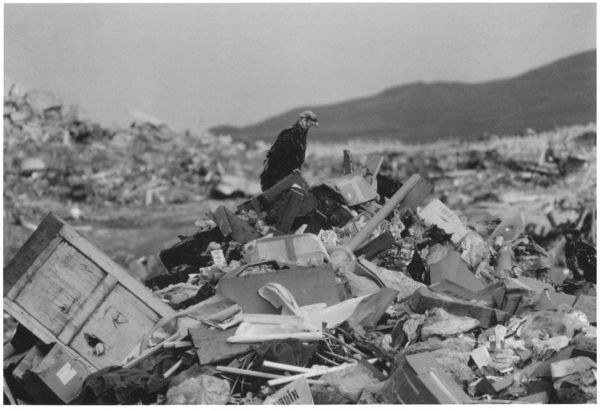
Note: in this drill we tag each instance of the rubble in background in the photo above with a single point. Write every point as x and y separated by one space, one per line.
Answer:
52 154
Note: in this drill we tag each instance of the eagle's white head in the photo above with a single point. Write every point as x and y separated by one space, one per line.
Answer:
308 119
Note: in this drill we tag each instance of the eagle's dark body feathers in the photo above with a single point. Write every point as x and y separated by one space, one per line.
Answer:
288 151
580 257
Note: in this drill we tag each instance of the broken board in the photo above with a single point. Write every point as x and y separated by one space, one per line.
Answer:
61 287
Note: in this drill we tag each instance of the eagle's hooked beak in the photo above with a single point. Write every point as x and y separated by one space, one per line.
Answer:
316 123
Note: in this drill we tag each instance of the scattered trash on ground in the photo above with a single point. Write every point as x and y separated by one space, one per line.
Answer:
372 286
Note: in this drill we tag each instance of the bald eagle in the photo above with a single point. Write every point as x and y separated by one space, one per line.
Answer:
580 257
287 153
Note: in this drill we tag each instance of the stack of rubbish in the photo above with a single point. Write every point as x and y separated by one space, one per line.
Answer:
357 290
51 153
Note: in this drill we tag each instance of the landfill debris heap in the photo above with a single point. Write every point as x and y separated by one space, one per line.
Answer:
365 288
51 153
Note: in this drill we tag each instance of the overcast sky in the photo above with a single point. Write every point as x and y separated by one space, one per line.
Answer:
199 65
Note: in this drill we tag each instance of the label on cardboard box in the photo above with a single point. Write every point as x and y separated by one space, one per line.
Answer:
66 373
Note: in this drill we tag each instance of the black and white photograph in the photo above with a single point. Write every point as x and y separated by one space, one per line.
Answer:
306 203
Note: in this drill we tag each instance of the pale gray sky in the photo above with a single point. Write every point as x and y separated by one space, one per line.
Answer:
199 65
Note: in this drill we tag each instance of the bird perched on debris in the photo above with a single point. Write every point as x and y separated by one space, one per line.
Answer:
580 257
287 153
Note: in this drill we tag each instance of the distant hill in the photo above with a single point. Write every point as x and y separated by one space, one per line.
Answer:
558 94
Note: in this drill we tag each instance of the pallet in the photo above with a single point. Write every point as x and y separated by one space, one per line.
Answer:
61 287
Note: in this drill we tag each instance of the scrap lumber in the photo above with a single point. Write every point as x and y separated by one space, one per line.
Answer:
378 218
69 288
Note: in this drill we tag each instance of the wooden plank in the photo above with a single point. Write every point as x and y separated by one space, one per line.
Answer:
251 373
60 287
108 265
36 263
120 322
288 320
29 252
99 294
29 322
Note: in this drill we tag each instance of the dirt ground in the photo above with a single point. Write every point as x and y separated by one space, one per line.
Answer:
127 232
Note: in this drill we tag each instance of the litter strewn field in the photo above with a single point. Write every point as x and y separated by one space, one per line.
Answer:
451 272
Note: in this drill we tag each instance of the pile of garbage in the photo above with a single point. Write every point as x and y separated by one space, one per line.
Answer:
52 154
359 290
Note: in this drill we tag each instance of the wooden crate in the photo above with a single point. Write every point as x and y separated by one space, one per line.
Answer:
61 287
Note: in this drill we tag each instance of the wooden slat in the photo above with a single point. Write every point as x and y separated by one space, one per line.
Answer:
31 250
108 265
91 304
29 322
32 269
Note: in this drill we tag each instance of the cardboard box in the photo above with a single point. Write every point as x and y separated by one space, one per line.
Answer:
62 373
